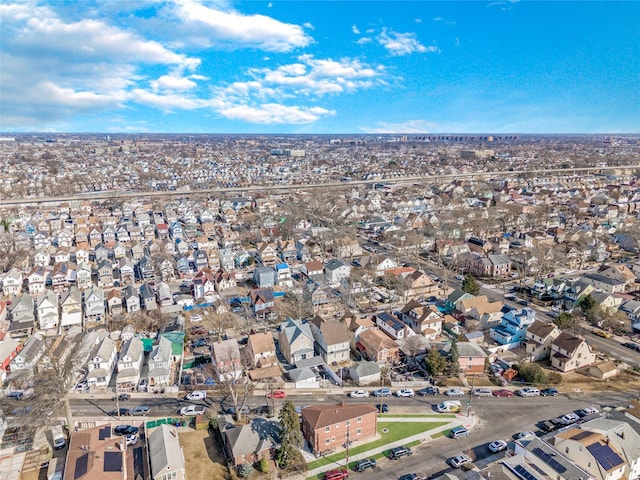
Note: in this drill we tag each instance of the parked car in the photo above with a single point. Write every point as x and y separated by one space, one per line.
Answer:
382 392
192 410
457 432
123 397
570 418
125 430
399 452
583 412
337 474
482 392
246 410
410 476
459 460
404 392
142 410
196 395
632 346
198 331
15 395
528 392
132 439
359 394
364 464
277 394
549 392
428 391
454 392
498 446
524 303
119 412
503 392
384 408
524 434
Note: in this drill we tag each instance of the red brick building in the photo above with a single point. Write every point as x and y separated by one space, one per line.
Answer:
327 427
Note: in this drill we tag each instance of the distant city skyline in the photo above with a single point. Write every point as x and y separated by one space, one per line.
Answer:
316 67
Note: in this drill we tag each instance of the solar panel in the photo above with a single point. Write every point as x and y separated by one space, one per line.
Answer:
104 433
582 435
549 460
82 466
524 473
605 456
112 461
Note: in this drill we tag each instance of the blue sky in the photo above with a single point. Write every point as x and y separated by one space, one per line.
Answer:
320 66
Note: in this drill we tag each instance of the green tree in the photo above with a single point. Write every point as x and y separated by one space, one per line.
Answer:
454 365
435 363
288 455
470 285
245 470
532 373
565 320
587 304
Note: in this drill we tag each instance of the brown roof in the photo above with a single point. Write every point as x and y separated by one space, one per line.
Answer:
541 329
262 342
334 332
568 342
319 416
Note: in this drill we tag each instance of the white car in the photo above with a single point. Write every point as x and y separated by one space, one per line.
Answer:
587 411
528 392
498 446
454 392
359 394
457 462
524 434
132 439
569 418
405 392
482 392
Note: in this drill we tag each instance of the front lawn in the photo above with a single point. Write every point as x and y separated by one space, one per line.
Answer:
417 415
394 431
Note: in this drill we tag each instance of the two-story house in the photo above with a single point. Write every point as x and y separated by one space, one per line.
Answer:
114 302
101 364
331 340
94 305
47 310
262 302
393 326
261 350
378 347
226 359
83 275
131 299
129 365
148 297
570 352
21 316
471 358
160 364
267 254
224 280
12 283
295 340
422 319
539 337
264 277
70 308
29 355
513 326
335 270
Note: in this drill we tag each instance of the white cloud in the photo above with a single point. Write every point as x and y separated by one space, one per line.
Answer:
409 126
398 44
364 40
273 113
209 26
355 30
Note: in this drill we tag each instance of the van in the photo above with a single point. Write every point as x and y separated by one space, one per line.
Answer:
449 406
55 471
57 436
457 432
196 395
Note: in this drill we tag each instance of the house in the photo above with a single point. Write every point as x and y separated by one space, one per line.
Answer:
96 453
264 277
224 280
425 320
570 352
393 326
105 274
114 302
131 299
261 350
101 364
355 326
165 298
295 340
335 270
36 279
327 427
29 355
538 339
129 365
127 271
365 373
21 316
160 364
471 358
331 340
604 370
83 275
250 443
346 247
287 251
12 283
9 348
262 301
226 359
535 454
513 326
94 305
378 347
47 310
148 297
311 269
70 308
267 254
283 275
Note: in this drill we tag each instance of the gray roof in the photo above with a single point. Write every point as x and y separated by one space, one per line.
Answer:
552 461
366 368
246 439
164 449
132 349
301 374
293 330
467 349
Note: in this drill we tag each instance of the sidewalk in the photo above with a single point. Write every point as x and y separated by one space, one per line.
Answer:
460 420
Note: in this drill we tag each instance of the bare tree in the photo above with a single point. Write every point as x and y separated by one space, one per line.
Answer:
231 369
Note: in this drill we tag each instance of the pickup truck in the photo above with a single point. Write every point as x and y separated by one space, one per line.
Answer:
141 410
191 410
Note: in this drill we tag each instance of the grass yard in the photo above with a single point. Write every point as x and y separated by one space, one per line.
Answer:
203 457
394 432
417 415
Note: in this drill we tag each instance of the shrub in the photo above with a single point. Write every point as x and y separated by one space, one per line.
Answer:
263 466
245 470
554 378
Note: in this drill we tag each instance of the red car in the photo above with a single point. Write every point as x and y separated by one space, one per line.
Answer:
337 474
502 393
277 394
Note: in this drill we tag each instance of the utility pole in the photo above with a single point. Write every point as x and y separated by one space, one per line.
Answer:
473 382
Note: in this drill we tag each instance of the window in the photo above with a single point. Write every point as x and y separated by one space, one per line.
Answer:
471 359
358 431
333 439
327 441
347 423
359 420
327 429
468 366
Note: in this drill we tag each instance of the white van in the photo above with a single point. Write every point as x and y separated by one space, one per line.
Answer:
191 410
57 436
449 406
196 395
